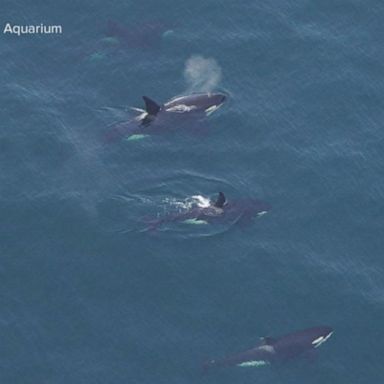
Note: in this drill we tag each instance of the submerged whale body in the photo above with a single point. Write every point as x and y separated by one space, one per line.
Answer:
280 349
145 34
156 118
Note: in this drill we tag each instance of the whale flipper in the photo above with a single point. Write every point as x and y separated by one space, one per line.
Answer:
220 200
151 107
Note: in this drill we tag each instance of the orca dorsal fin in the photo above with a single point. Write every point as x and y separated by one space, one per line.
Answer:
220 200
267 340
151 106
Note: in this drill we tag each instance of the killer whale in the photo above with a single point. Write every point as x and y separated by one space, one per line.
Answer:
279 349
156 118
205 103
218 210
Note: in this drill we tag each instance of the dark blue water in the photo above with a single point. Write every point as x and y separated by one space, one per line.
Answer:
86 296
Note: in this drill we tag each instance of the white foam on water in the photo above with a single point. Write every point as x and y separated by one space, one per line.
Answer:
190 202
181 205
140 110
201 201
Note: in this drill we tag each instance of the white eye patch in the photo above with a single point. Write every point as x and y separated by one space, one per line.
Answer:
322 339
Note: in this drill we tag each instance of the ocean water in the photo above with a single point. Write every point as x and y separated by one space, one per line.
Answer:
87 295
